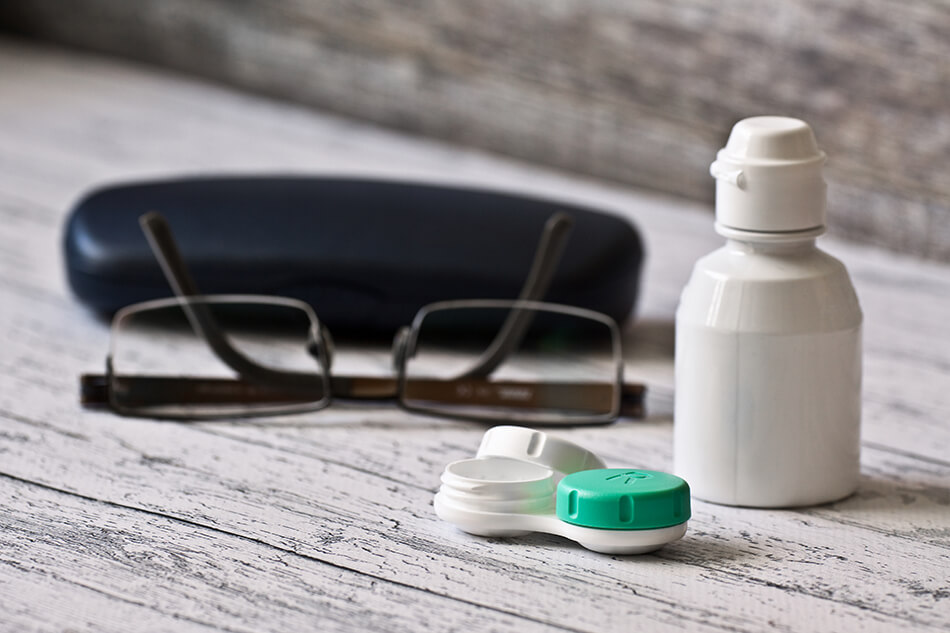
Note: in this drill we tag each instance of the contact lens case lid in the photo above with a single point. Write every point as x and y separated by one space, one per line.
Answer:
516 442
623 499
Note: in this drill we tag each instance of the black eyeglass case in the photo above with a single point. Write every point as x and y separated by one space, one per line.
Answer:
366 254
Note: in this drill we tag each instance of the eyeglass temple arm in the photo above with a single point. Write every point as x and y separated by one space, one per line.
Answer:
546 258
163 245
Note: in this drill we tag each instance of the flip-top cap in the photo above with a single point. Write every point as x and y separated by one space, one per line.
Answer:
768 177
518 442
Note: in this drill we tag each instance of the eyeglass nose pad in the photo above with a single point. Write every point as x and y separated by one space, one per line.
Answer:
326 344
401 350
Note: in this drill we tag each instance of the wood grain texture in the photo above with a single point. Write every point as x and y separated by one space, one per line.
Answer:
324 521
642 93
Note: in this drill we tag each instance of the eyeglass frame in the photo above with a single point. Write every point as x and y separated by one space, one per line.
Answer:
105 389
98 389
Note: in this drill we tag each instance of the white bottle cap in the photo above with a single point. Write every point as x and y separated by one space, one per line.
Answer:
768 178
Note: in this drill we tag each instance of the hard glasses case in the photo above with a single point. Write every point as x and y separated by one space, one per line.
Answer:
366 254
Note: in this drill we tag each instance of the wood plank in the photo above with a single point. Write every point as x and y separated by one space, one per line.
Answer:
361 514
123 566
334 498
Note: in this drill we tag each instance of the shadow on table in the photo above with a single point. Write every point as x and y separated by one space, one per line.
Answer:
648 358
703 548
697 547
381 417
648 339
906 506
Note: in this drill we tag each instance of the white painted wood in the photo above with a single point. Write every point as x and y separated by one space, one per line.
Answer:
100 562
324 521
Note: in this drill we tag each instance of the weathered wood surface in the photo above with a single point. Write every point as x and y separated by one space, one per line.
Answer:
324 521
640 92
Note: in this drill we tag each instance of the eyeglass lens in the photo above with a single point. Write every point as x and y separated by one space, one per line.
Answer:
161 366
564 367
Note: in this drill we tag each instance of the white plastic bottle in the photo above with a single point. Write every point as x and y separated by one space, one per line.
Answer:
768 335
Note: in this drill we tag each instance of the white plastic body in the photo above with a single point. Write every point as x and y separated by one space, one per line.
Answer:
768 374
503 524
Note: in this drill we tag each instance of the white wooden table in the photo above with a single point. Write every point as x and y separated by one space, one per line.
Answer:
325 522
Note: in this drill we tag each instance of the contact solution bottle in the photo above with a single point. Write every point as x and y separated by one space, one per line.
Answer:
768 335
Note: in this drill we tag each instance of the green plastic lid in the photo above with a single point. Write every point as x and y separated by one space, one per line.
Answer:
623 499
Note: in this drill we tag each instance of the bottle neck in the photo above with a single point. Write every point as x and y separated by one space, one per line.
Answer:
775 243
748 247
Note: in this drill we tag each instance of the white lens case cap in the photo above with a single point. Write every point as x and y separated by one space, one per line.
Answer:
524 480
518 442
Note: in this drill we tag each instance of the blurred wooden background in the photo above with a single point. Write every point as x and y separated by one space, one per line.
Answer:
638 92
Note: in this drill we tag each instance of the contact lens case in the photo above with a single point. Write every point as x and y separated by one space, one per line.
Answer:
522 481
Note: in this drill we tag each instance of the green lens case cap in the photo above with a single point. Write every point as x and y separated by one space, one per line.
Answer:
623 499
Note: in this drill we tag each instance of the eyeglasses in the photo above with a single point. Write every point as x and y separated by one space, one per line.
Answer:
195 357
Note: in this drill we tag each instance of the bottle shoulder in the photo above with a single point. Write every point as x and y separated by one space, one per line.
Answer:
769 265
771 292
